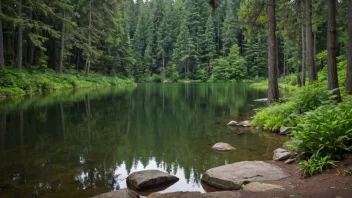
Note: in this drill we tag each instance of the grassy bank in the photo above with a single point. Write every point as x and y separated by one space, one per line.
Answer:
323 127
15 83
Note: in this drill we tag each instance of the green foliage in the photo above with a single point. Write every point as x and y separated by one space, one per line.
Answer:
316 165
274 116
326 130
221 70
309 97
13 82
157 78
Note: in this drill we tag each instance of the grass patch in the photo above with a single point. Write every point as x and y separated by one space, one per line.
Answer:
15 83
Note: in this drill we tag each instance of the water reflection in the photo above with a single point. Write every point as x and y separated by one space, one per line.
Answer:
86 142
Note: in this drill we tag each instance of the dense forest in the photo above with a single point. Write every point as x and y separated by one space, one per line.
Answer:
178 39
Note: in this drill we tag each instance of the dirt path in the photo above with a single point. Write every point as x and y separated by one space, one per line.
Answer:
330 184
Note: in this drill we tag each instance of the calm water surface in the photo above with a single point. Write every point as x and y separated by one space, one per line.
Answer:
86 142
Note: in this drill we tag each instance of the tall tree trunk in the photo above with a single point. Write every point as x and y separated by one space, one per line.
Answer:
349 53
19 38
303 58
298 77
332 65
310 45
62 45
2 58
87 67
273 90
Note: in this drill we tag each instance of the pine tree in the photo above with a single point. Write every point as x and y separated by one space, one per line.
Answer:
184 50
230 31
209 45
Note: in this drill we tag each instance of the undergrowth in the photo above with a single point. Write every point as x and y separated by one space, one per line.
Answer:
14 83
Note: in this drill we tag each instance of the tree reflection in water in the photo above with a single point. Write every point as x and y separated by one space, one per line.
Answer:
83 143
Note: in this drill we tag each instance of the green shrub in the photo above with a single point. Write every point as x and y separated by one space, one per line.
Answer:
157 78
315 165
274 116
309 97
327 130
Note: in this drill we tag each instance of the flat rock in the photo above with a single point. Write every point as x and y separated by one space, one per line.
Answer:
232 123
148 179
233 176
261 100
261 187
123 193
246 123
290 160
221 194
221 146
281 154
286 130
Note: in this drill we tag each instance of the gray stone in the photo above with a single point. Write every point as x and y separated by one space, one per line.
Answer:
233 176
149 179
221 146
290 160
261 100
232 123
281 154
221 194
123 193
246 123
261 187
286 130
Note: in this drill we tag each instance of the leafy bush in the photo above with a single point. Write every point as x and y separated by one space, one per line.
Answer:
157 78
309 97
327 130
315 165
274 116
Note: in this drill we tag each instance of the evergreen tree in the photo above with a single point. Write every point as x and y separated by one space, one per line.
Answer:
230 31
209 45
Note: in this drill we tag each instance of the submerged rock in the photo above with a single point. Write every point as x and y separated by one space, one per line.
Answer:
232 123
123 193
233 176
148 179
261 187
246 123
221 146
281 154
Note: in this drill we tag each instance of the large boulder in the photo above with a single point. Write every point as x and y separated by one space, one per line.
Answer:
233 176
246 123
148 179
221 194
281 154
221 146
123 193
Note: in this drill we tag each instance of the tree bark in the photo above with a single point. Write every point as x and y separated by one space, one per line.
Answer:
273 90
332 65
349 53
19 38
303 58
2 58
310 45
